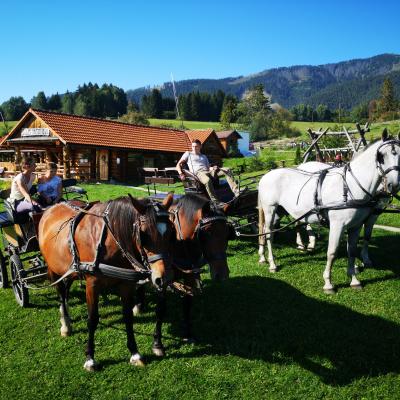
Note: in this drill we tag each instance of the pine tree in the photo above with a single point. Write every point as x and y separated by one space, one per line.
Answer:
67 103
387 100
229 112
54 102
39 101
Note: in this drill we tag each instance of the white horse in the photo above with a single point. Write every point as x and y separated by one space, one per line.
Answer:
342 197
315 167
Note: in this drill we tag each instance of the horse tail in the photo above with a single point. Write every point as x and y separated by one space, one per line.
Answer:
261 223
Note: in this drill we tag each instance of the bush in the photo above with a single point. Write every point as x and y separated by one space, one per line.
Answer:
270 163
254 164
169 114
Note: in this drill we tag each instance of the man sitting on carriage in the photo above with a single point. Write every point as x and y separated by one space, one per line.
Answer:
199 166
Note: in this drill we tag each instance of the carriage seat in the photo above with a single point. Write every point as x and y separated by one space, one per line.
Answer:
192 184
71 191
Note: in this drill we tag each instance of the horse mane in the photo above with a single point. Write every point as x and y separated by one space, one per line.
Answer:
122 215
191 203
363 150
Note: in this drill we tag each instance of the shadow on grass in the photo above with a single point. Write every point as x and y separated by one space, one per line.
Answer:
265 319
382 258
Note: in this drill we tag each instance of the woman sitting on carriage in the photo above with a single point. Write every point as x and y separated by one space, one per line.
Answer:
20 198
50 186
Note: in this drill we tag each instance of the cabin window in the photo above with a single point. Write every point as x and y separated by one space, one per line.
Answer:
82 158
148 162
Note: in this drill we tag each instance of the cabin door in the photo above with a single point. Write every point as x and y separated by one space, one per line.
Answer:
103 164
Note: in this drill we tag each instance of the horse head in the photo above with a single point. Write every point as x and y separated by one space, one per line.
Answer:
155 232
388 162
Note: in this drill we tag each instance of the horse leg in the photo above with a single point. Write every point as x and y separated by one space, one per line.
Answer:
261 231
311 238
335 234
92 301
157 347
269 218
368 225
127 300
62 290
187 302
352 238
139 300
65 319
266 220
299 240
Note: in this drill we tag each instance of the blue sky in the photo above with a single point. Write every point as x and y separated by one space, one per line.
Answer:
56 45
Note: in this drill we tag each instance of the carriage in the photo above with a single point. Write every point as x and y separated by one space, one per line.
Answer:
20 258
242 212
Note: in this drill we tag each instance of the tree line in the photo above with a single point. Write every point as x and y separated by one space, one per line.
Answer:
252 112
106 101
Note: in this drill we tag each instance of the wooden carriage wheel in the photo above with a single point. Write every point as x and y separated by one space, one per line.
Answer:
20 290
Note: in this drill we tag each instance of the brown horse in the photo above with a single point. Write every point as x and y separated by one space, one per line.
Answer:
202 237
117 233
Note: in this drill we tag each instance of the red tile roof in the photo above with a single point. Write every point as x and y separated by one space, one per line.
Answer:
226 134
200 134
100 132
205 134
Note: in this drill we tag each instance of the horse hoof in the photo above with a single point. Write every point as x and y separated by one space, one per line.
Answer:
158 351
137 361
91 365
310 249
273 270
137 310
301 248
330 291
65 332
262 261
356 287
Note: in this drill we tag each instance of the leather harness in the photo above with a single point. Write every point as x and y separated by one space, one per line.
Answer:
141 270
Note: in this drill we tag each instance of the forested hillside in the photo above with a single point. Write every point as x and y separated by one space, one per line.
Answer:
348 83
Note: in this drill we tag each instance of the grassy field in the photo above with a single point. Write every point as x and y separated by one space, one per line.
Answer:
187 124
261 336
10 125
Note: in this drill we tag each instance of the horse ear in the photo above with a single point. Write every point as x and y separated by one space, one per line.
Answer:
169 198
385 135
137 205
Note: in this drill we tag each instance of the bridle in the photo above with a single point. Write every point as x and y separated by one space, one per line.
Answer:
379 160
202 225
161 215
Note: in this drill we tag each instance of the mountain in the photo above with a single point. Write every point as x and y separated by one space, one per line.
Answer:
348 83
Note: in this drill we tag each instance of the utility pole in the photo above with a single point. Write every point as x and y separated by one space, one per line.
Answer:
176 101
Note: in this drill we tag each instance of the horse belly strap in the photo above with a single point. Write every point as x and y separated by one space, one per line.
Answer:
77 265
122 273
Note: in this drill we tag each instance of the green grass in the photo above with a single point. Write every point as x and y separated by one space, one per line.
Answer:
187 124
375 128
261 336
10 125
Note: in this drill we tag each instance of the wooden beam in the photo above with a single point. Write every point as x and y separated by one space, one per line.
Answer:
350 141
316 137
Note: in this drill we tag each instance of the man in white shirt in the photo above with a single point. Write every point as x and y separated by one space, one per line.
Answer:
198 165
